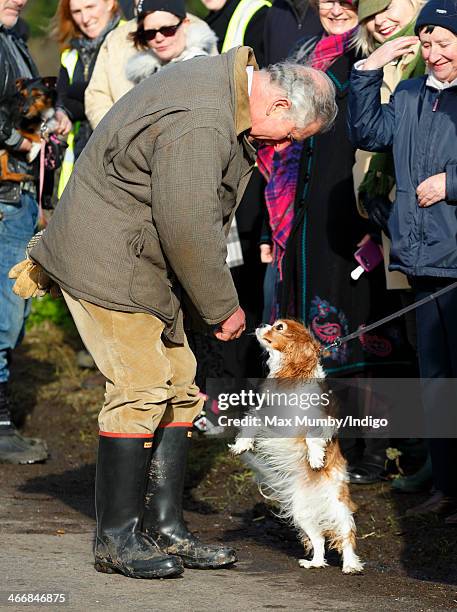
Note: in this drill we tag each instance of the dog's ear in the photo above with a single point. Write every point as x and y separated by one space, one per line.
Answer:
20 84
50 82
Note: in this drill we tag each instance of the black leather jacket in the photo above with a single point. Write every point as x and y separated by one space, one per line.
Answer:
9 72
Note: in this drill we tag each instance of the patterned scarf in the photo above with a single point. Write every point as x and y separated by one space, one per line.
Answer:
329 48
280 168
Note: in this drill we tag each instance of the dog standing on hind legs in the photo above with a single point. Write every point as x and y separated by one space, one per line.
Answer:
306 475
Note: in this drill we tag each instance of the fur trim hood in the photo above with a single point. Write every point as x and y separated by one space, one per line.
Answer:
200 40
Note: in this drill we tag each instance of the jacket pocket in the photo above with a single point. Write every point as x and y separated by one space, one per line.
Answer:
10 192
150 285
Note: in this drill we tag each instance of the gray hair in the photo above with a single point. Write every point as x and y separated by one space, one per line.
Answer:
311 93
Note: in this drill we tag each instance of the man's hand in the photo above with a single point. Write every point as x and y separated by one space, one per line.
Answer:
32 280
266 253
390 51
232 327
64 124
432 190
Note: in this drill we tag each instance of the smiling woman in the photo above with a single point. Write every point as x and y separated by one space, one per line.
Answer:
80 26
439 50
337 17
380 21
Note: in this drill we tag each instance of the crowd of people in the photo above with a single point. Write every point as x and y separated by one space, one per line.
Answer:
264 172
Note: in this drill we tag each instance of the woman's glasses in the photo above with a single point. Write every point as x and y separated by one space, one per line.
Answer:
166 31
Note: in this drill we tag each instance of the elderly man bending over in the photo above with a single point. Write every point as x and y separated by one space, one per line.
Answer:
142 221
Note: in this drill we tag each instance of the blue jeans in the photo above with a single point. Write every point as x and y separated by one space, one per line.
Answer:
17 226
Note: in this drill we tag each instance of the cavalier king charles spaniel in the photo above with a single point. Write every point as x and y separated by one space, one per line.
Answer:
306 475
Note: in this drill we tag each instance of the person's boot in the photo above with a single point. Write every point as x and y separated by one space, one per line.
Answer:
163 518
417 482
14 447
368 470
120 544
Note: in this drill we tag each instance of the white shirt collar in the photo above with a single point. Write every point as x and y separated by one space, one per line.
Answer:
250 72
432 81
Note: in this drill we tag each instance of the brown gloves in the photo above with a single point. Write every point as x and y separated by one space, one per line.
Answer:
32 280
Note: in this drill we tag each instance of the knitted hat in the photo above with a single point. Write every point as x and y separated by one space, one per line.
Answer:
438 13
368 8
177 7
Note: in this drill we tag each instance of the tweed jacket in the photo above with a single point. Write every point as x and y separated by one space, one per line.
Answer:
147 209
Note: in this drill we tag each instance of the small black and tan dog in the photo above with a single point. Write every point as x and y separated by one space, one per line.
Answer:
31 110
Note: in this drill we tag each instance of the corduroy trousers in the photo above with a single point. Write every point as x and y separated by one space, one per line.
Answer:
150 382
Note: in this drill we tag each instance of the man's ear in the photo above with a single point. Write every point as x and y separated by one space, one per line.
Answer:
278 105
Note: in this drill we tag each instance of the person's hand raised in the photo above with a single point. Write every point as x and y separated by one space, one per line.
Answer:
389 51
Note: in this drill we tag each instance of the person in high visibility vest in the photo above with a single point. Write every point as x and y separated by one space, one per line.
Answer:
238 22
80 26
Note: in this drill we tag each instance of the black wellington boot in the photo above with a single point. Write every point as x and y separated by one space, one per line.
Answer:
163 517
120 545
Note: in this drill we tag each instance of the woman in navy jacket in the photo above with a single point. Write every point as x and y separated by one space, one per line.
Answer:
419 125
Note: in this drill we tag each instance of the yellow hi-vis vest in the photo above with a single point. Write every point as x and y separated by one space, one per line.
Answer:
68 59
239 22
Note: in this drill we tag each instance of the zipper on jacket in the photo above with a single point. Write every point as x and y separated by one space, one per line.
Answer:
436 102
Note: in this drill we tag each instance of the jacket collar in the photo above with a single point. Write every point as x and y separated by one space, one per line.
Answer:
244 57
432 81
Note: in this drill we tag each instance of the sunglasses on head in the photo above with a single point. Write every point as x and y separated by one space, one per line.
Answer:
166 31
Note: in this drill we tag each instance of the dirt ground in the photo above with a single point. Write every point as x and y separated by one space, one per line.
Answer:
406 559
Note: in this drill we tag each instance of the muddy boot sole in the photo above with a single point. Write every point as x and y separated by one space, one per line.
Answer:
108 568
203 565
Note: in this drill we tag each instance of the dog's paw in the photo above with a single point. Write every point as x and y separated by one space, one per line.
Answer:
316 458
354 567
241 446
308 564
